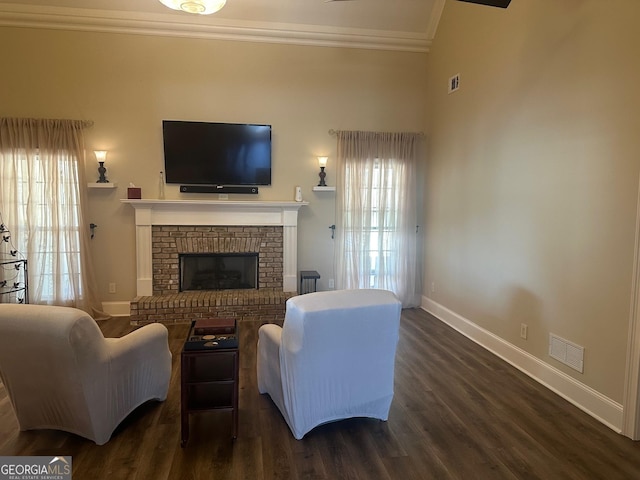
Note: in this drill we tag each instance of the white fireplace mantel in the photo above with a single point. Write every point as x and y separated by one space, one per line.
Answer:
209 213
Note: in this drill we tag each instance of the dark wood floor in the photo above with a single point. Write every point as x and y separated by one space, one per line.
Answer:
458 412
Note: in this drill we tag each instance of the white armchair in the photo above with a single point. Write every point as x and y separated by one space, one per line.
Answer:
333 358
61 373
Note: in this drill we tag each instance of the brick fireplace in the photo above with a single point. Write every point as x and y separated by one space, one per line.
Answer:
166 229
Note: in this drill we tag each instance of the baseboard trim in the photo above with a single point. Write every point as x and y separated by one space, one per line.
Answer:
592 402
117 309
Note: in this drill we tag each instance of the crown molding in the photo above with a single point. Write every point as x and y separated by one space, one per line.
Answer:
137 23
434 19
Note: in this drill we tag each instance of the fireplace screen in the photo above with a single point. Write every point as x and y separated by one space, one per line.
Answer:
213 271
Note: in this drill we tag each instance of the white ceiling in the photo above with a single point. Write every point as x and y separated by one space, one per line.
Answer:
407 25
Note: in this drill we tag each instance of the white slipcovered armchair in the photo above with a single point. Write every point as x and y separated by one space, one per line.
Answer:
333 358
61 373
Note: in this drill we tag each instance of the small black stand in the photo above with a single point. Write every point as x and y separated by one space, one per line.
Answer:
308 281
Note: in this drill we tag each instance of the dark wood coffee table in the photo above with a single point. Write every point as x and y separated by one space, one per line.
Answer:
209 377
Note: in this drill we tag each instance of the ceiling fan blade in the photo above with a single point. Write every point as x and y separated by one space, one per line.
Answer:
491 3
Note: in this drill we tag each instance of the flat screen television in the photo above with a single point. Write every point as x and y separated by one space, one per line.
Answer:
205 153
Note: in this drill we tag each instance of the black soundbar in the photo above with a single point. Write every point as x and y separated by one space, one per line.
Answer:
491 3
217 189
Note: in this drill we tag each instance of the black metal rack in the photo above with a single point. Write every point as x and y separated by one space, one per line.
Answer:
14 281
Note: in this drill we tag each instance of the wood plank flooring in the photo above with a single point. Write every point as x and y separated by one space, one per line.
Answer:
458 413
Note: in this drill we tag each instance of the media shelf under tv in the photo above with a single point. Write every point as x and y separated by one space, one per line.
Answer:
251 190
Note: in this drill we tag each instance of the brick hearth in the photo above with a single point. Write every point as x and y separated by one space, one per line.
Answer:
265 305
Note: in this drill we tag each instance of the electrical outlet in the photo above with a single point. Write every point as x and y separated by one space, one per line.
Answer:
332 284
524 330
433 287
112 288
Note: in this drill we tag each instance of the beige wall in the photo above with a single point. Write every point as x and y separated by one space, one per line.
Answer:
533 168
127 84
532 175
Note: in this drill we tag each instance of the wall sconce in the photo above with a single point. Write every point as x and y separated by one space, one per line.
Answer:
101 156
322 161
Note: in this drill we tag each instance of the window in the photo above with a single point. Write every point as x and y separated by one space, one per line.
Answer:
378 227
376 216
41 170
53 247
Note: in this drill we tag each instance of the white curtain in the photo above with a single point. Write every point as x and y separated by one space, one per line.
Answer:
42 202
376 213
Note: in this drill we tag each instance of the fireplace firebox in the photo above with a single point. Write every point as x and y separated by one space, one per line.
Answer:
218 271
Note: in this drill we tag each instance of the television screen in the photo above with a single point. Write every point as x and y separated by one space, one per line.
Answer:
206 153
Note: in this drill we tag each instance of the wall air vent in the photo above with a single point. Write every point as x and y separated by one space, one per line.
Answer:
566 352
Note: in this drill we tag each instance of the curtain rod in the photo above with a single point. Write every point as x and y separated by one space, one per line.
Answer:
335 132
79 123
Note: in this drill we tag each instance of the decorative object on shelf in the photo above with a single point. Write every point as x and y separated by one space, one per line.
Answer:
199 7
322 161
133 192
161 186
298 194
101 156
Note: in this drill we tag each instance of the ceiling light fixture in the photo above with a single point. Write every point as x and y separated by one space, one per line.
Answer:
200 7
